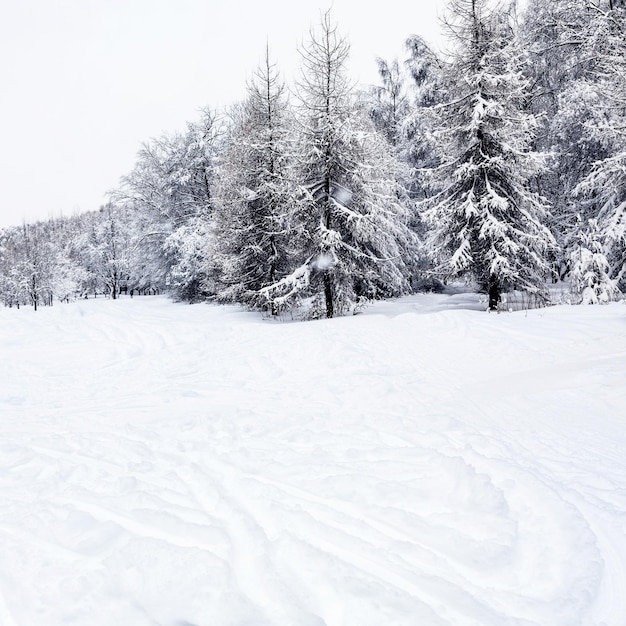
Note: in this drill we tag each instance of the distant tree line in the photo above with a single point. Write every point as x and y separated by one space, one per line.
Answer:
501 162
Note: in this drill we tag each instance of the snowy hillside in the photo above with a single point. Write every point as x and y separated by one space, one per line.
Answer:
420 464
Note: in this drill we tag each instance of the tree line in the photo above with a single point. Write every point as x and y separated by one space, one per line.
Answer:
501 162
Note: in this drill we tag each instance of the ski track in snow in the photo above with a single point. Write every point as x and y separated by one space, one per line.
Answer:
422 463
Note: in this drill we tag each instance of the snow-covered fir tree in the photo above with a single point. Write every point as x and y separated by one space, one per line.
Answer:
314 205
486 221
255 194
356 242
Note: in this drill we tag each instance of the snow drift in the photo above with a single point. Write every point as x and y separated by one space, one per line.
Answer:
422 463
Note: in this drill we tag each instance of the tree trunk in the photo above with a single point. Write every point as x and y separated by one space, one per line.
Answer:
328 281
328 294
494 293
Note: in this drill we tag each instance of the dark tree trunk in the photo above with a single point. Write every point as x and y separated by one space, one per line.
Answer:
328 294
328 280
494 293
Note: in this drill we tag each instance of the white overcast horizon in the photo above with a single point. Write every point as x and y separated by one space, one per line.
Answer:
86 82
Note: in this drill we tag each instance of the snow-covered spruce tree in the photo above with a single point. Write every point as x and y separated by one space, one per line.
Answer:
486 222
254 194
356 239
605 185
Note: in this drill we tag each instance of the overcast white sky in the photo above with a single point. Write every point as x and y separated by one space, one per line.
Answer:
84 82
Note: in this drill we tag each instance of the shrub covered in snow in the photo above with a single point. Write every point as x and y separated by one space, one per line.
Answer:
590 269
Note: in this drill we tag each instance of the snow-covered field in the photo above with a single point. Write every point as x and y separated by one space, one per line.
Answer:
420 464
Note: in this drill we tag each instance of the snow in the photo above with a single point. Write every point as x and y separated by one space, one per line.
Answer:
423 462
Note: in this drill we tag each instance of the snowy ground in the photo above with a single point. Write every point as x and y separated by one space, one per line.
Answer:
420 464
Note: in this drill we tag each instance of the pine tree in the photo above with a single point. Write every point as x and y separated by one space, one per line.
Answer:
486 222
356 241
255 193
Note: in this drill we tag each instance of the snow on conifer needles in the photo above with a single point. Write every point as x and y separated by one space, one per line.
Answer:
501 162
